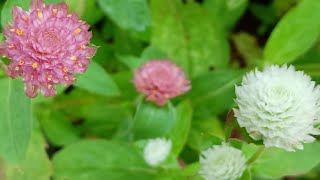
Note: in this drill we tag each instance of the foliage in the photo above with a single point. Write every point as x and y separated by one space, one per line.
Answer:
97 128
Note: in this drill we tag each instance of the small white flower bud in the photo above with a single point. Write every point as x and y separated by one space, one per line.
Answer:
157 150
222 162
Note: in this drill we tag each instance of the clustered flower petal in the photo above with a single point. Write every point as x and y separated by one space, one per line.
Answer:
222 162
156 151
280 106
161 80
47 46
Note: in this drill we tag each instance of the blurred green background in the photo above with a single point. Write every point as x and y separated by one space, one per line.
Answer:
214 41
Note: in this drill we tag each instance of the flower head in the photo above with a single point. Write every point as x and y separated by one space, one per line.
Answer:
160 80
156 151
47 46
222 162
280 106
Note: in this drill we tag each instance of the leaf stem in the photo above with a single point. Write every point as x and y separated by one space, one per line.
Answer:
257 154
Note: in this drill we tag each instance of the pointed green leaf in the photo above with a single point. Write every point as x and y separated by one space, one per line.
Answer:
15 120
100 159
180 131
97 80
131 15
296 32
187 35
151 121
275 163
213 92
36 165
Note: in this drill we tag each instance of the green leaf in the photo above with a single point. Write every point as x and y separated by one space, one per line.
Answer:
1 37
97 80
36 165
213 92
266 14
249 150
294 34
181 128
207 46
124 81
204 133
309 62
248 47
57 128
151 121
84 9
53 1
130 15
149 53
96 113
132 62
225 12
6 13
15 116
246 175
1 6
124 43
196 48
100 159
274 163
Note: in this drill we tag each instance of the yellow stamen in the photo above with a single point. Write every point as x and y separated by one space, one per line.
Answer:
77 31
73 58
21 62
34 65
65 69
54 12
24 17
40 14
49 78
19 32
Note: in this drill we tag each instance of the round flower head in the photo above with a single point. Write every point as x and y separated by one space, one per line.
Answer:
160 80
280 106
156 151
222 162
47 46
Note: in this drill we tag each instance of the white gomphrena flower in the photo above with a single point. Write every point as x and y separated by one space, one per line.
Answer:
222 162
157 150
280 106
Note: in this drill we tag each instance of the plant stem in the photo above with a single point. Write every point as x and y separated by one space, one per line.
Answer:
258 153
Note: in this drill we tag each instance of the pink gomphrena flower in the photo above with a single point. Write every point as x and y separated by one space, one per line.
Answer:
47 46
161 80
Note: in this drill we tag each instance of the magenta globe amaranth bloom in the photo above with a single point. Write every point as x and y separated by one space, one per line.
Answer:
47 46
160 80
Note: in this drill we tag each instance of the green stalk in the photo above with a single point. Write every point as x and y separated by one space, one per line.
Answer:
256 156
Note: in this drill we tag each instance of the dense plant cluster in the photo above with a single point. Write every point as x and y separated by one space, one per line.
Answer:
159 89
